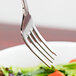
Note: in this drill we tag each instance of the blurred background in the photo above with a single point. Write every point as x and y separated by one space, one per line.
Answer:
51 13
55 19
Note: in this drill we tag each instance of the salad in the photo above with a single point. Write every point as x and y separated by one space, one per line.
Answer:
68 69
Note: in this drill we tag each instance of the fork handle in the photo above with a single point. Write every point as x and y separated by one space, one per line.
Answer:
25 7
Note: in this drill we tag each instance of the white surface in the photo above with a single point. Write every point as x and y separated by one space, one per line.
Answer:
22 56
54 13
10 11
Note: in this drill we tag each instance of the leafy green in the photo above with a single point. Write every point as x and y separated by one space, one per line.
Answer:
41 70
68 69
5 72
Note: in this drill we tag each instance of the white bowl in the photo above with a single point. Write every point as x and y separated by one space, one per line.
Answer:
23 57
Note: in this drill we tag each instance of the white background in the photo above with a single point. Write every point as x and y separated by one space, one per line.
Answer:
53 13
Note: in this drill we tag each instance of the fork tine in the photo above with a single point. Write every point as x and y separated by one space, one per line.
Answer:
42 39
33 42
28 37
28 45
35 38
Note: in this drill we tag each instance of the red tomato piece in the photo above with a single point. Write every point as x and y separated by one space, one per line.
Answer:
56 73
73 60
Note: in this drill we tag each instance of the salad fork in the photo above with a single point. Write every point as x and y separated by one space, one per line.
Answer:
32 37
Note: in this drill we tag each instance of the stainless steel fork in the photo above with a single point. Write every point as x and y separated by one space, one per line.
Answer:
32 37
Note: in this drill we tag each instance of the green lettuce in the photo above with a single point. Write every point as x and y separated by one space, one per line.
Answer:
41 70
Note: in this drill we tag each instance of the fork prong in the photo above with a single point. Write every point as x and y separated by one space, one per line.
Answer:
42 39
38 48
38 42
29 46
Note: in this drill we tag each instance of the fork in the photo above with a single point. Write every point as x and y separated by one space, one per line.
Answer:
32 37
